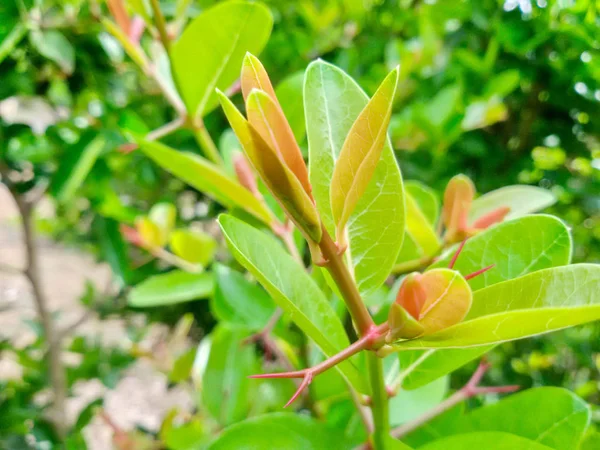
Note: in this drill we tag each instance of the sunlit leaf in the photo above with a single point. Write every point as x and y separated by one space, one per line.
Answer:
425 198
232 28
487 440
193 245
289 94
360 154
291 288
333 101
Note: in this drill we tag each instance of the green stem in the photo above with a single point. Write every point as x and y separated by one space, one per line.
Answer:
379 402
345 282
161 25
207 144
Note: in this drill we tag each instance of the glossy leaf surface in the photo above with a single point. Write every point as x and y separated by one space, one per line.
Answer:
176 286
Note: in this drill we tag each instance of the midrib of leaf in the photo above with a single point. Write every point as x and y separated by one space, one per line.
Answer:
543 253
557 424
433 305
328 118
213 82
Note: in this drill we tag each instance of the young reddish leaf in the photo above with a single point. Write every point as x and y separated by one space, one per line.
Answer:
458 198
495 216
360 154
412 294
402 324
266 117
151 234
280 180
448 300
254 76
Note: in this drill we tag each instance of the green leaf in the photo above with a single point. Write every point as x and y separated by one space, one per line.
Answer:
76 166
164 216
360 154
484 440
289 94
419 367
239 301
425 198
521 200
536 303
408 405
182 367
10 41
503 83
194 246
291 288
279 431
550 416
516 248
54 45
421 237
231 28
226 389
112 248
332 102
176 286
204 176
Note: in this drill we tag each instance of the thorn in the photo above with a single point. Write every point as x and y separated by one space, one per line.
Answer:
456 254
479 272
305 383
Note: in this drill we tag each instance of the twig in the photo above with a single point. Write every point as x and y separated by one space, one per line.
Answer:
161 25
471 389
156 134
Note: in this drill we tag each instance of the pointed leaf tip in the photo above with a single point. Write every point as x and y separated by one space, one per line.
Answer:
361 152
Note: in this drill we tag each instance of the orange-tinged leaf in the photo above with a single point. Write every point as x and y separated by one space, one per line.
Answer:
254 76
280 180
412 295
360 154
448 301
266 117
151 234
458 198
491 218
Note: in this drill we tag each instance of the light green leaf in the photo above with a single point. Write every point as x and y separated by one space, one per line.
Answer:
279 431
173 287
291 288
550 416
521 200
239 301
226 389
422 240
163 215
210 51
516 248
360 154
204 176
420 367
408 405
503 83
193 245
484 440
536 303
332 102
12 39
289 94
54 45
426 199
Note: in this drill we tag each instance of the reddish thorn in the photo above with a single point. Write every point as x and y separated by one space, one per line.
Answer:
479 272
127 148
456 254
496 389
305 382
295 374
491 218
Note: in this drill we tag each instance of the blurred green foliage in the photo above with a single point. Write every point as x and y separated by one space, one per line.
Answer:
504 91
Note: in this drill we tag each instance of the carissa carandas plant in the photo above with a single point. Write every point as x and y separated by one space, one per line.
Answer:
506 280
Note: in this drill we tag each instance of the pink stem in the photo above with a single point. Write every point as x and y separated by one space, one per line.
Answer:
479 272
455 257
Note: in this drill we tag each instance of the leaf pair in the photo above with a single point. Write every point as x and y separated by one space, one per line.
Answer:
269 143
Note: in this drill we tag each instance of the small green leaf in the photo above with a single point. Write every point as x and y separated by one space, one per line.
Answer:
176 286
360 153
227 392
279 431
204 176
561 417
408 405
521 200
232 28
536 303
182 367
515 248
503 83
54 45
332 102
291 288
239 301
422 239
194 246
487 440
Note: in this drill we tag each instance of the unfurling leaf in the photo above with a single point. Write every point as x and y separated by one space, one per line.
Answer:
266 117
402 324
194 246
412 295
150 233
448 299
280 180
458 198
360 154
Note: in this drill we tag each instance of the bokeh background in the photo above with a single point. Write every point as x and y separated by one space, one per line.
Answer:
504 91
